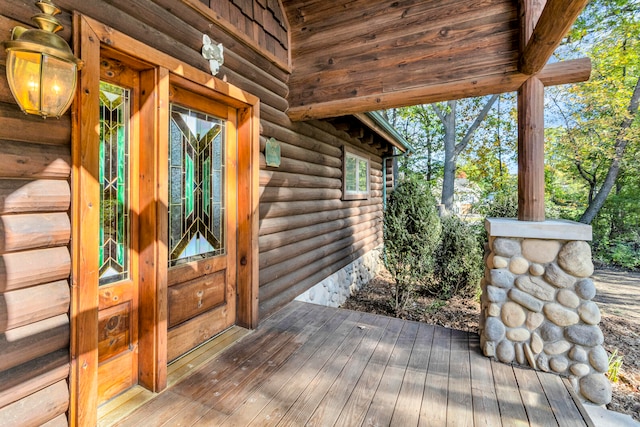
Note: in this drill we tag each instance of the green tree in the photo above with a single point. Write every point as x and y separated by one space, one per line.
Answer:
489 160
599 117
459 266
411 233
594 137
456 138
422 128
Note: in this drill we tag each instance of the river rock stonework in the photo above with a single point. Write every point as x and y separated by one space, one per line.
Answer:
536 303
335 289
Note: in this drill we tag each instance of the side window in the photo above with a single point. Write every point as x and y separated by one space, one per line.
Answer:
355 175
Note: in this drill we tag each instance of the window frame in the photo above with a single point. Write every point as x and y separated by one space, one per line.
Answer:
359 156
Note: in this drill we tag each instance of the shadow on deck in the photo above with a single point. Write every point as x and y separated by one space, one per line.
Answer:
313 365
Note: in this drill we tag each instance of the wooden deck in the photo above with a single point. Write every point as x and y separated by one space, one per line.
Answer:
312 365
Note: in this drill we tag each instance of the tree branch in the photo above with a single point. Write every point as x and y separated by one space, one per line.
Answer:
438 112
476 123
590 178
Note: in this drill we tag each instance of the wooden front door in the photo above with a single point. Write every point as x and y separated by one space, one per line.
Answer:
202 176
161 261
118 296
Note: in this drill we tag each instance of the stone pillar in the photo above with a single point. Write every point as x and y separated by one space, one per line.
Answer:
537 307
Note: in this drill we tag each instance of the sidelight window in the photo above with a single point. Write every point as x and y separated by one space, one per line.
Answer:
115 222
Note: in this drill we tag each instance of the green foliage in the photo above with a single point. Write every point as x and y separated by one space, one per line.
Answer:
583 124
615 363
411 233
586 128
459 265
499 205
621 253
616 229
494 147
421 127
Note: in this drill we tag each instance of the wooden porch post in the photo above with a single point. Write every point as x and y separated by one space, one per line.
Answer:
531 151
530 126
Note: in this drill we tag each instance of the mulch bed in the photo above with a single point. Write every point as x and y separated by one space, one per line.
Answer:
462 313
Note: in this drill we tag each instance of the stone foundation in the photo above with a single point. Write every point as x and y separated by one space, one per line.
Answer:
536 302
335 289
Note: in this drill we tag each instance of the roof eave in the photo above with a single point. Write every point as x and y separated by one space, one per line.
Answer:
377 123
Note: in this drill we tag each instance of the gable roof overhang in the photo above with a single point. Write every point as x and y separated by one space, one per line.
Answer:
350 57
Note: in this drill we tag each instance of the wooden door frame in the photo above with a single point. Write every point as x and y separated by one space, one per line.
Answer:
89 37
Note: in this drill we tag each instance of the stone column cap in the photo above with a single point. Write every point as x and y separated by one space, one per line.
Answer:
557 229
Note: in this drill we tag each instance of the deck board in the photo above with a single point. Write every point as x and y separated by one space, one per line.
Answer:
565 414
535 400
459 401
295 386
512 410
254 403
434 402
317 389
407 410
329 409
384 400
486 411
318 366
355 409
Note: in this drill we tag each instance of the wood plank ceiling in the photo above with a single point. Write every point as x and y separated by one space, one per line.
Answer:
361 55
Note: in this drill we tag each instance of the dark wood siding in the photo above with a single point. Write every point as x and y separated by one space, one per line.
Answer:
306 231
381 51
35 166
262 20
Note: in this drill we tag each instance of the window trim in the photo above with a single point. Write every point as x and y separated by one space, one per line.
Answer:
358 155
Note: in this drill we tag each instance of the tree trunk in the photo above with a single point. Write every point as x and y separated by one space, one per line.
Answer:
450 156
451 149
620 147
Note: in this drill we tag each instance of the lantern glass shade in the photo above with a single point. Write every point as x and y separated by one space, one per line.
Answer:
41 84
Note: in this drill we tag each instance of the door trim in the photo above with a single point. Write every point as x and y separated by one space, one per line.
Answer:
156 68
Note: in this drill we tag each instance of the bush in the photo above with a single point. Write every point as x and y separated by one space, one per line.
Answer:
412 234
459 265
499 205
619 253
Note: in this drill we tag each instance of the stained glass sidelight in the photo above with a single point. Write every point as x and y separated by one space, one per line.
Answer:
196 184
114 183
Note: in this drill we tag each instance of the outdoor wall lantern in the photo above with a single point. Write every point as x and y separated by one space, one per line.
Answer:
41 69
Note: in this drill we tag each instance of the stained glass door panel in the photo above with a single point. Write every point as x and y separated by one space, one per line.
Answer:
114 182
118 292
196 186
202 220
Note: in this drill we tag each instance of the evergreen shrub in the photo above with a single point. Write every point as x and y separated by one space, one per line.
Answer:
459 266
412 234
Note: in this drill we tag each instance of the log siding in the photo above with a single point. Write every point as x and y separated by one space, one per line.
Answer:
306 231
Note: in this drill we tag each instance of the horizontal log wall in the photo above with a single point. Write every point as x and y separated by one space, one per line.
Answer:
35 263
306 231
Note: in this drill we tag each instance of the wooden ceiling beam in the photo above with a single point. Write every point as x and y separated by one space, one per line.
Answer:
565 72
556 19
572 71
